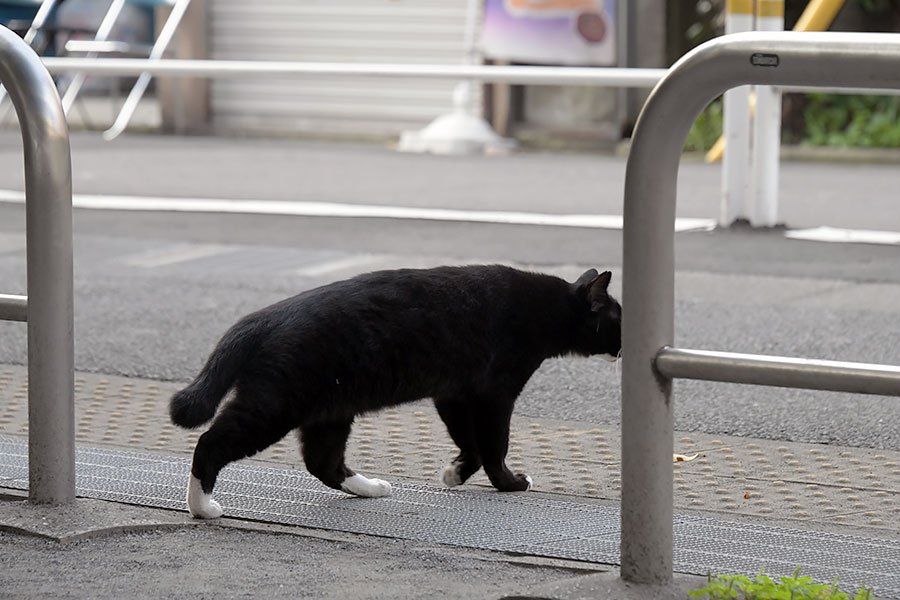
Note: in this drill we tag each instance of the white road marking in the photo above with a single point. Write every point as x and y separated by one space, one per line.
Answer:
847 236
332 209
337 264
176 254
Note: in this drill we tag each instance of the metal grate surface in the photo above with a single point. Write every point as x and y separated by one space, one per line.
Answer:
524 524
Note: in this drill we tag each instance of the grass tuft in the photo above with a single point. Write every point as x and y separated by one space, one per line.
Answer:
739 587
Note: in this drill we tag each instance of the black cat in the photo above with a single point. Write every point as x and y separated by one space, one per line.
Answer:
468 337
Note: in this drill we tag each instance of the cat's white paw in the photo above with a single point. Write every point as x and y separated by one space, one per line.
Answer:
528 479
200 504
367 488
450 476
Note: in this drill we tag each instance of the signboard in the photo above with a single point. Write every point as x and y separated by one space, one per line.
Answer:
556 32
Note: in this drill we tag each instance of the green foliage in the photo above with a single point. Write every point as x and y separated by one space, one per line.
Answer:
875 6
869 121
706 130
828 120
739 587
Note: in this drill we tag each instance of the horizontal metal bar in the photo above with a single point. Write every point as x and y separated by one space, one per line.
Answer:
779 371
842 91
517 75
13 308
102 46
588 76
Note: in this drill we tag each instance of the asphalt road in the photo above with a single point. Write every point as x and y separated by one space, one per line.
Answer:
154 291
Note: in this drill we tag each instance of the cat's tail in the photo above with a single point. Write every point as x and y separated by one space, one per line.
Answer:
197 403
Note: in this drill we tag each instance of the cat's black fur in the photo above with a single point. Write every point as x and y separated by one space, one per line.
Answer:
468 337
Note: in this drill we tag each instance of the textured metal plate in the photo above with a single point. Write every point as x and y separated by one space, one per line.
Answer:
524 524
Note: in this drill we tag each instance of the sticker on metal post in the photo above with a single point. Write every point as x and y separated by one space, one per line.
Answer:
764 60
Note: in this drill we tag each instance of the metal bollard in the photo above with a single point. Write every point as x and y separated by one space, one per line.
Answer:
48 214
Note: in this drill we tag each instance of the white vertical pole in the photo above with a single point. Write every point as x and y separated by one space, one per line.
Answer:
736 127
767 129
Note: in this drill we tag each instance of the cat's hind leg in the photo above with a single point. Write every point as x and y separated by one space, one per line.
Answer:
240 430
456 415
323 446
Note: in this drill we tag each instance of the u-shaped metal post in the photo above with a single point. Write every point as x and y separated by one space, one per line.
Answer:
845 60
48 308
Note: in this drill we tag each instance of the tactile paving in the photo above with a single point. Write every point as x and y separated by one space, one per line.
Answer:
519 523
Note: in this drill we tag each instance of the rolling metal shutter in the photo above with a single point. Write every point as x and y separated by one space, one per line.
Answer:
393 31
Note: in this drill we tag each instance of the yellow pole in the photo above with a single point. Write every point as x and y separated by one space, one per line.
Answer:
817 16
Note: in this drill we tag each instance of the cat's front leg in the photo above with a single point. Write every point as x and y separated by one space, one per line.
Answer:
463 466
365 487
492 439
456 414
506 481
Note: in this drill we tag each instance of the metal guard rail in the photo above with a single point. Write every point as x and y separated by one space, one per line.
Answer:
649 358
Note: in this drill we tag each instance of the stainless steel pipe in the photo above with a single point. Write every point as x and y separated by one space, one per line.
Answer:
48 231
520 75
13 308
779 371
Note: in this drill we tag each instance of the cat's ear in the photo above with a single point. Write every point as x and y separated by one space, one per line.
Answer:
598 294
586 279
601 283
592 287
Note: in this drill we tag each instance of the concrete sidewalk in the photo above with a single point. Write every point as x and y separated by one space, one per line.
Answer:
833 490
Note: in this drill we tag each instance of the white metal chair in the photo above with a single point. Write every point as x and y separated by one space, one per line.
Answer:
101 44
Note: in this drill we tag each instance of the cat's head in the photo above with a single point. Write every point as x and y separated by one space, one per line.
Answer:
600 316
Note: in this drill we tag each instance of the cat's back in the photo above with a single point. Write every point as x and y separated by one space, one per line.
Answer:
405 303
436 288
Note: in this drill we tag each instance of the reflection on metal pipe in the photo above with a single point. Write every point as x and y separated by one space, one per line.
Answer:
13 308
779 371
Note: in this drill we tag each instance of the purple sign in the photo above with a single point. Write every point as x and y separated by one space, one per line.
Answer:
568 32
